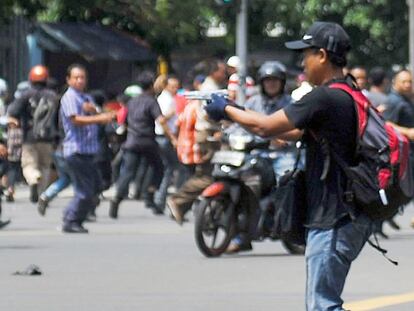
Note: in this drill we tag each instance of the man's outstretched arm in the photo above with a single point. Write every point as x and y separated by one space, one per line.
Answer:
274 125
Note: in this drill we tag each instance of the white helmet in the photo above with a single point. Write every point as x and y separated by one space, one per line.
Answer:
233 61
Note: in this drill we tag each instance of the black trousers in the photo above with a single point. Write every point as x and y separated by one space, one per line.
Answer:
131 159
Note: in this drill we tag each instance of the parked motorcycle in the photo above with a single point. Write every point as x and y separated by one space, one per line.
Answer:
238 202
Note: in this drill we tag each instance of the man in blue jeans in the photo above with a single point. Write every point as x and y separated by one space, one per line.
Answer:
58 185
337 231
166 101
79 119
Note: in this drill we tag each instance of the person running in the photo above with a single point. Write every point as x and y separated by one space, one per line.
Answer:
39 134
167 103
4 121
79 118
140 143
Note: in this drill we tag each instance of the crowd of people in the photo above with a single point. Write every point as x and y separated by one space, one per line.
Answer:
155 139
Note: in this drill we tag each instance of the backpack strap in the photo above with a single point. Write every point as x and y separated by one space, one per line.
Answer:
363 112
384 252
362 105
299 147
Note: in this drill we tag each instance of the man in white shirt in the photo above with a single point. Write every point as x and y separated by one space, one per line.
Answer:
166 101
304 87
217 76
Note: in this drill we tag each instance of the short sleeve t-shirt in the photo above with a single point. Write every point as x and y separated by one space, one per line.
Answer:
142 113
377 99
328 113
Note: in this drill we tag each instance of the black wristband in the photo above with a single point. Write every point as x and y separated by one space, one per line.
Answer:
235 106
238 107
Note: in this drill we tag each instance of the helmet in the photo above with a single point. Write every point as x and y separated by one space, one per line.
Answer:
133 90
38 73
272 69
21 88
233 61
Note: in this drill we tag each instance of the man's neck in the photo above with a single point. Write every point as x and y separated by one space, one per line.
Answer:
149 92
168 92
376 89
77 90
213 79
332 73
274 97
406 96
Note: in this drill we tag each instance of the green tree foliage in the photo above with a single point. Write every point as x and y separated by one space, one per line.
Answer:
378 28
28 8
165 24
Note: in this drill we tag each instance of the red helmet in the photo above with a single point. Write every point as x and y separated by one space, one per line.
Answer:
38 73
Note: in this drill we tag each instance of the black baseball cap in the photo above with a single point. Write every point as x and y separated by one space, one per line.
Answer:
325 35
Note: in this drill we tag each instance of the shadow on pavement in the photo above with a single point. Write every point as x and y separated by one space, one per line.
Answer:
255 255
19 247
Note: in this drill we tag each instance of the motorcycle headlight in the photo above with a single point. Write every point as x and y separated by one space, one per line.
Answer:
239 142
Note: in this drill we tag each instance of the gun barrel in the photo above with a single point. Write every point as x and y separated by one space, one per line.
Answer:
204 95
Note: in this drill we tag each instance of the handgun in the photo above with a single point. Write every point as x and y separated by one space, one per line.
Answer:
205 95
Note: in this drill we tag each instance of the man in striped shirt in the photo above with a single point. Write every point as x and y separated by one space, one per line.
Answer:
79 118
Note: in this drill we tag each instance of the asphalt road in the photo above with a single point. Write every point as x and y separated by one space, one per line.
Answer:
147 262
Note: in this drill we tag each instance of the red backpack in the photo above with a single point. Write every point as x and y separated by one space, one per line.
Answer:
381 182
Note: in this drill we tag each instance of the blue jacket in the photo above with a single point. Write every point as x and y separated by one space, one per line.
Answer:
399 110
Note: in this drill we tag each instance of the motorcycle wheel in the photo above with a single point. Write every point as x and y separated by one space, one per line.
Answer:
214 226
294 249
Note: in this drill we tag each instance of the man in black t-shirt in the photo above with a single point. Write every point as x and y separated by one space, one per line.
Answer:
333 240
143 111
399 106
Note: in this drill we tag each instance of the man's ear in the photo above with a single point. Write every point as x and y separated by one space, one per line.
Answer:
323 56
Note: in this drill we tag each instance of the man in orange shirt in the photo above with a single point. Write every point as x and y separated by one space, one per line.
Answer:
195 151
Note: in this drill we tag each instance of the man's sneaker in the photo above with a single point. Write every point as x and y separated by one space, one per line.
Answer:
9 196
4 223
236 248
91 217
72 227
42 205
34 196
175 211
157 210
113 208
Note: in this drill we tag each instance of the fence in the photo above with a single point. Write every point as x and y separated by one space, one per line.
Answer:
14 59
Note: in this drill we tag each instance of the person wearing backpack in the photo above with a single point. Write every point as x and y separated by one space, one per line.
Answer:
37 112
336 229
